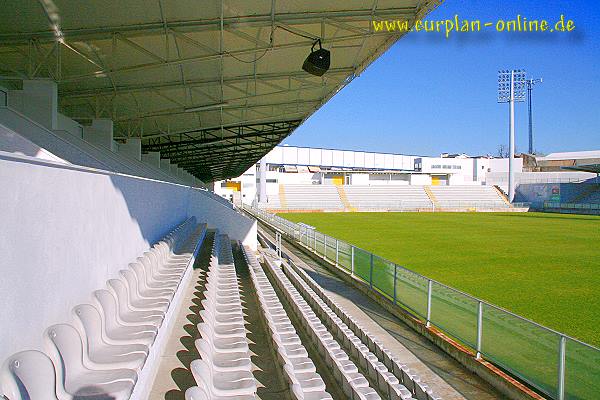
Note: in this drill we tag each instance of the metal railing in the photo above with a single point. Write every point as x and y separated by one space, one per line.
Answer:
392 205
551 362
572 206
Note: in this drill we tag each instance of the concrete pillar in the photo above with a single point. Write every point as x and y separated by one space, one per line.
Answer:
132 148
100 133
38 100
152 158
262 198
165 165
3 96
173 169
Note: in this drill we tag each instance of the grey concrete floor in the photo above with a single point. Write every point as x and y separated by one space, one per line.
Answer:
444 375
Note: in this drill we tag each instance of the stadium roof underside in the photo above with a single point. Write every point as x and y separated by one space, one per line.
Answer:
594 168
212 85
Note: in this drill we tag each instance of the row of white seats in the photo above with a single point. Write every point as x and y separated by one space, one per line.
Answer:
102 353
304 381
299 197
353 383
453 196
387 196
393 378
224 370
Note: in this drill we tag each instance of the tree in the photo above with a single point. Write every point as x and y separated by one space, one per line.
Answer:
503 151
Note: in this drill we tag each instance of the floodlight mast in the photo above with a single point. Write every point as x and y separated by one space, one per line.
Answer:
511 86
530 84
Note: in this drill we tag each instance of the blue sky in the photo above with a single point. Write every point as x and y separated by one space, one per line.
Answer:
427 94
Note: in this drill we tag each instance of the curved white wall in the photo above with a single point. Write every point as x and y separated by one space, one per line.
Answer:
67 229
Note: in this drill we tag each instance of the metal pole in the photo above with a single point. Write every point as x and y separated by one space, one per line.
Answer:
562 349
337 252
429 284
325 246
529 90
371 273
262 179
352 260
479 328
395 276
511 139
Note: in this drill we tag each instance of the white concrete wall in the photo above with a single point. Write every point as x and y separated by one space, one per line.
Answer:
65 239
67 229
227 220
420 179
359 179
292 155
152 158
501 165
38 100
132 148
12 142
67 124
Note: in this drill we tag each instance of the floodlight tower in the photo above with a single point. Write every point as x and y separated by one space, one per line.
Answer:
530 84
511 88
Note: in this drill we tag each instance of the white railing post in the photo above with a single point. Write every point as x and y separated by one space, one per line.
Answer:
479 328
371 273
562 350
395 276
351 260
429 284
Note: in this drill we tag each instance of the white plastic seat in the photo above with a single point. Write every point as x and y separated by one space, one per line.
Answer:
211 317
299 394
222 331
226 344
129 314
238 383
114 330
135 278
156 279
130 355
125 316
232 361
165 265
28 375
76 379
137 300
197 393
147 285
164 269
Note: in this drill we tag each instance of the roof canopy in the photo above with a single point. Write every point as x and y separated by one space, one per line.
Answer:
595 168
212 85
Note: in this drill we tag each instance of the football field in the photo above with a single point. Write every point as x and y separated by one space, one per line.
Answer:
545 267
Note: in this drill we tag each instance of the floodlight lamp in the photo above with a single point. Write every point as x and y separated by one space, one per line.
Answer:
318 61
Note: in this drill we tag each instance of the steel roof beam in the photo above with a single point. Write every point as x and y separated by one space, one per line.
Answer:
154 28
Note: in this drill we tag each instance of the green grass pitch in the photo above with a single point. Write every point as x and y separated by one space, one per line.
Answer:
545 267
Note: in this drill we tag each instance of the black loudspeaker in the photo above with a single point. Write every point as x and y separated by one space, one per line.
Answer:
318 61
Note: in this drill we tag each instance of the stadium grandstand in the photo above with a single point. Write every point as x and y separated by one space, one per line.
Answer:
127 273
314 179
